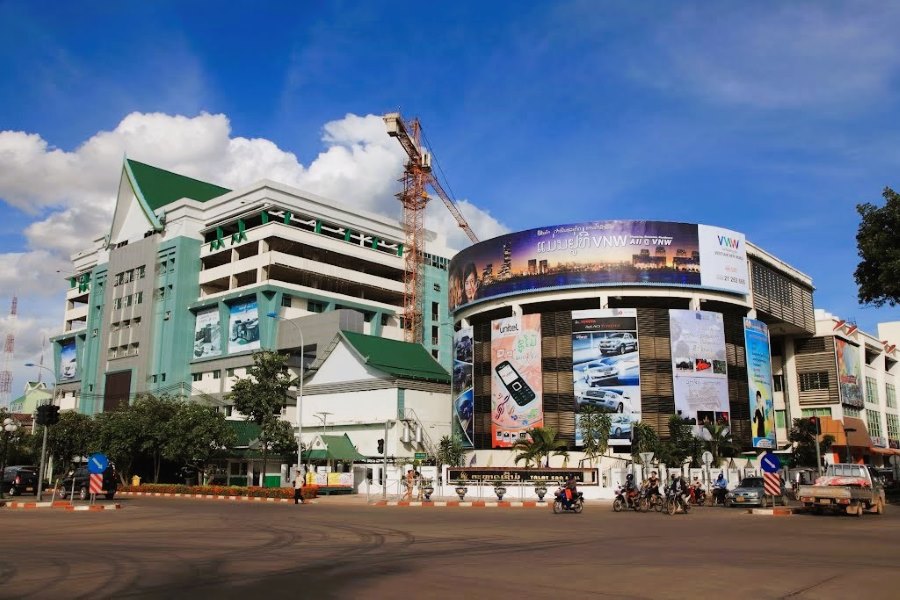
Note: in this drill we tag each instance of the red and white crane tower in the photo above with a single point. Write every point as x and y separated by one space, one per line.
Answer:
8 348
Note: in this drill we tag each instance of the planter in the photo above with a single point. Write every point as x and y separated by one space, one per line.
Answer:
428 490
461 492
541 491
500 491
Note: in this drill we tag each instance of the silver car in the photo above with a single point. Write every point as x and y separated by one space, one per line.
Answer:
618 343
599 370
606 399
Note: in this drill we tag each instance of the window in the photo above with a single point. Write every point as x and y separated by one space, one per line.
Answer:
871 390
229 372
437 287
217 374
117 303
385 319
128 300
136 321
893 426
873 422
854 412
314 306
196 376
816 380
778 383
779 418
153 378
141 271
816 412
160 293
95 332
128 276
139 298
435 311
286 300
890 394
117 280
435 340
162 377
434 353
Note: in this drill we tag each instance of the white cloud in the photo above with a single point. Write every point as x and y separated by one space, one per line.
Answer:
74 191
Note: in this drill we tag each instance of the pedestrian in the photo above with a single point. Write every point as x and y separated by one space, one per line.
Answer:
298 487
410 482
420 487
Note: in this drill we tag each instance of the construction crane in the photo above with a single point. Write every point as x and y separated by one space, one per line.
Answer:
417 176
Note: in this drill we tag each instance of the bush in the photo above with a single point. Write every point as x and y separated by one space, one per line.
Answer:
219 490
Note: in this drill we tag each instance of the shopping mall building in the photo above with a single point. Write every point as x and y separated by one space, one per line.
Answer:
650 319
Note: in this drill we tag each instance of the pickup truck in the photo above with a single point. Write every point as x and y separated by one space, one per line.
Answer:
848 488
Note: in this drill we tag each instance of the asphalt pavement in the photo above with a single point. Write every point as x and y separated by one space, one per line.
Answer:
186 548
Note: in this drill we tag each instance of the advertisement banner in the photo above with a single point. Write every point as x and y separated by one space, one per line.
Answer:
207 333
598 253
606 369
516 379
759 381
243 325
68 363
849 375
462 391
699 370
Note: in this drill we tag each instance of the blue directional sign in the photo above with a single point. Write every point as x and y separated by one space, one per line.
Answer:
97 463
770 463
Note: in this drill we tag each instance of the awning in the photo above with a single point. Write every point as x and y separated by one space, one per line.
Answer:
885 451
840 431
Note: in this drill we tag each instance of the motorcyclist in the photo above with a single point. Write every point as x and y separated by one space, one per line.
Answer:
697 491
631 490
720 488
678 487
653 484
570 491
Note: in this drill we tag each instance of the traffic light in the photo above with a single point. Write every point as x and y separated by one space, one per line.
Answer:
52 414
42 414
380 446
814 421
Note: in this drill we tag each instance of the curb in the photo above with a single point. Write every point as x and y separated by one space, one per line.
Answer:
214 497
772 512
458 504
62 504
95 507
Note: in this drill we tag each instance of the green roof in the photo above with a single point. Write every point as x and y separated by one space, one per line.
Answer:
246 432
400 359
339 447
160 187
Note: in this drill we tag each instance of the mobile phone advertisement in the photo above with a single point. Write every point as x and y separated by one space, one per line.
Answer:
516 379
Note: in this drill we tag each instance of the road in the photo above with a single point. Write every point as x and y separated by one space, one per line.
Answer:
179 548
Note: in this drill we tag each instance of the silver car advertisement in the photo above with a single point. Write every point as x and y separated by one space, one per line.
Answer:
463 392
606 368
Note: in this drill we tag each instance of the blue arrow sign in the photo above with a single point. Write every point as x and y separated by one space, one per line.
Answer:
770 463
97 463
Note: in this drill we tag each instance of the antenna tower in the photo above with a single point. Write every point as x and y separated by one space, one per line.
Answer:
6 374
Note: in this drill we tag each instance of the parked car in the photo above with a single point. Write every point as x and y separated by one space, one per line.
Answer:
620 428
81 479
613 400
19 480
618 343
750 492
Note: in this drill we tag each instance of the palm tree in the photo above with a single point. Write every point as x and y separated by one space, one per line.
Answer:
719 442
528 452
595 426
547 445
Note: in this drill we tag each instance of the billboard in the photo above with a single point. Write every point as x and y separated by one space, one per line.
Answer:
699 370
243 326
207 333
516 379
462 391
849 376
68 362
759 382
599 253
606 368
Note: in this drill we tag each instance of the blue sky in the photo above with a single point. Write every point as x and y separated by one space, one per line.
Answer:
774 119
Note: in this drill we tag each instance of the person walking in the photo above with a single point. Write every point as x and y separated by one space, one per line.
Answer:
410 482
298 487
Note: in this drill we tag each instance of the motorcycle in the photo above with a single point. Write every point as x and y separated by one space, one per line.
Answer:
576 505
674 500
652 500
697 496
625 499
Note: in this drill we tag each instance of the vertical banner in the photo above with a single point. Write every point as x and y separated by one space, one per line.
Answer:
243 326
68 363
516 379
849 376
207 333
462 391
606 368
699 371
759 382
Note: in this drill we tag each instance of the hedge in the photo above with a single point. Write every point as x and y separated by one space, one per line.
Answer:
309 491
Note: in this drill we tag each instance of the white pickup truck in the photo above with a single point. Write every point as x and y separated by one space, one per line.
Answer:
846 488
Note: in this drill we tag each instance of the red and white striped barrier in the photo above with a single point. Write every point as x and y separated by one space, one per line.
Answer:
459 504
213 497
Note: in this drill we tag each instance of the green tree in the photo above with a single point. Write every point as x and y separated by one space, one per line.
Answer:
18 447
719 442
540 446
117 435
71 437
681 445
643 439
152 415
451 451
803 433
195 434
261 394
280 438
878 273
595 426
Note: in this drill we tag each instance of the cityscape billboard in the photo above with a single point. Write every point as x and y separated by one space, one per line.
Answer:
600 253
516 379
243 326
849 375
462 392
759 381
606 369
207 333
68 362
699 368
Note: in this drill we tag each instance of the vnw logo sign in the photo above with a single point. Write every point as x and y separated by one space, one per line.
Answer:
727 242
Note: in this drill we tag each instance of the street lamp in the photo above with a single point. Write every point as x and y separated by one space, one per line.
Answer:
9 427
323 416
40 484
299 418
847 432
